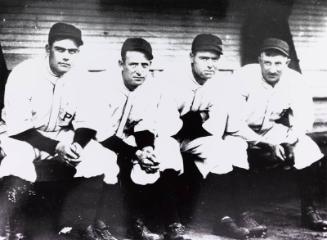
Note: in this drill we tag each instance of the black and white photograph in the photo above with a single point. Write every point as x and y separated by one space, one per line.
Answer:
163 119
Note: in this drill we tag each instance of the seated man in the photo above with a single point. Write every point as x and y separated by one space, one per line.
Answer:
202 101
39 109
278 111
121 117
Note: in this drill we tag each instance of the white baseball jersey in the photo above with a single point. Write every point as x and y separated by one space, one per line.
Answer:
111 101
183 94
263 104
216 96
114 110
36 98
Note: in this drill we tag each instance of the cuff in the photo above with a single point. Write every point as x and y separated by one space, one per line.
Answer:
144 138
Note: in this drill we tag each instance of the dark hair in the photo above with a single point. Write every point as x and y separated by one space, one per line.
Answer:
124 53
137 44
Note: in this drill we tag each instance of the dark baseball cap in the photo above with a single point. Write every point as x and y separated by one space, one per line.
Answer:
277 44
207 42
62 30
137 44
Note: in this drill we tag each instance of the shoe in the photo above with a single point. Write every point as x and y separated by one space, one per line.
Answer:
69 233
103 231
140 232
256 230
97 231
18 236
176 231
4 228
311 219
229 228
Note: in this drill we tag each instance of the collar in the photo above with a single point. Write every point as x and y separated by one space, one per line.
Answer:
53 78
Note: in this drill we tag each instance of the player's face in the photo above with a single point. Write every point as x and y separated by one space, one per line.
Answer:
135 69
61 55
272 67
204 64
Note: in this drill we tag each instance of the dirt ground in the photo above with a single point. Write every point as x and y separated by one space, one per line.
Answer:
275 202
276 205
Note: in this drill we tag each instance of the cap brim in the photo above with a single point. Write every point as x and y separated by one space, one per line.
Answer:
276 48
209 49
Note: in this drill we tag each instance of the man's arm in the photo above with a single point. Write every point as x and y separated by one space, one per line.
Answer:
118 146
37 140
51 146
83 136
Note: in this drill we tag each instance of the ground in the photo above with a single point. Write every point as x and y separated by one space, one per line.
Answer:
275 202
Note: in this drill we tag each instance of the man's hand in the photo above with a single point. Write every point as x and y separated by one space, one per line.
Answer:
69 153
278 152
147 159
204 115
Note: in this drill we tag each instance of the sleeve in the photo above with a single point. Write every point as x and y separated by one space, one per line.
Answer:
168 121
241 80
224 116
158 111
302 107
93 108
37 140
118 146
83 136
144 138
17 100
227 115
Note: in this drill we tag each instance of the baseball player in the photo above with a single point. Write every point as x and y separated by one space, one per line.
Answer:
278 110
204 103
124 123
39 108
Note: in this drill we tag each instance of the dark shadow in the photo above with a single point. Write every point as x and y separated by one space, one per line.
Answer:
219 6
3 77
266 19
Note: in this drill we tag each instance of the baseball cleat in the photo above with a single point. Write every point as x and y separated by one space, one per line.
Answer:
140 232
256 230
311 219
102 231
176 231
229 228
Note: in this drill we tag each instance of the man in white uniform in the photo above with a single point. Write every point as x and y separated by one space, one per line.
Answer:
39 108
278 110
124 123
202 101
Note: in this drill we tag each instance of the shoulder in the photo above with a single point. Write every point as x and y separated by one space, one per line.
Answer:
177 75
293 75
29 66
249 70
247 76
25 73
296 80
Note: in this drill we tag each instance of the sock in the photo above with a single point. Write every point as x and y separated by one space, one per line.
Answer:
306 179
167 187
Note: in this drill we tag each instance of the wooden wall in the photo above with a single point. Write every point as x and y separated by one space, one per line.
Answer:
169 27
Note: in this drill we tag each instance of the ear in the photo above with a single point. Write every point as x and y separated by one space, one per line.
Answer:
47 48
120 63
192 57
288 61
